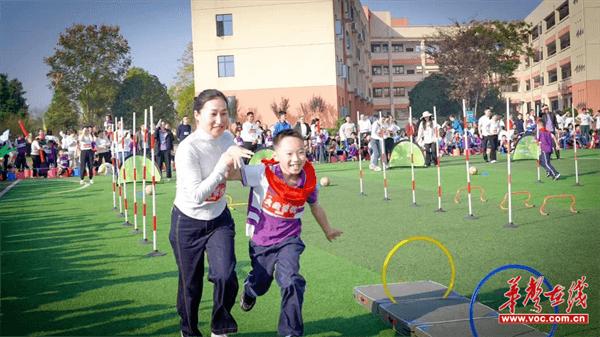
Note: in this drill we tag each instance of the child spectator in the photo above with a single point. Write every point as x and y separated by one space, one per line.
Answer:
278 194
63 163
546 139
268 139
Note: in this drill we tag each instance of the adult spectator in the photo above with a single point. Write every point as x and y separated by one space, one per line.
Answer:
282 124
164 145
346 131
483 125
551 124
585 121
426 138
184 129
250 132
86 138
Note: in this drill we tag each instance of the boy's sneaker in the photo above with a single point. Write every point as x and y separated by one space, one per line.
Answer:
548 174
557 176
92 181
377 169
371 167
493 161
81 182
212 334
247 302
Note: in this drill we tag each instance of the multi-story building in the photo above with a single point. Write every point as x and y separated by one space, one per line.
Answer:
260 51
564 70
398 61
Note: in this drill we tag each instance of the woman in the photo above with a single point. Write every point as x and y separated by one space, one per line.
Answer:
86 156
200 220
426 138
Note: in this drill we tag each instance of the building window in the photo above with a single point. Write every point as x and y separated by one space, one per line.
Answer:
397 48
552 76
384 48
538 81
338 28
376 70
565 41
377 92
224 25
410 71
538 55
565 71
358 53
550 20
226 66
527 85
386 70
398 70
410 49
386 92
375 48
535 32
399 92
551 48
563 10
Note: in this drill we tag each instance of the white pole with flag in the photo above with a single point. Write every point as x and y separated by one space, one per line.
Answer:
510 223
124 181
383 161
467 155
135 224
145 145
360 170
537 138
575 149
114 171
437 156
412 156
155 251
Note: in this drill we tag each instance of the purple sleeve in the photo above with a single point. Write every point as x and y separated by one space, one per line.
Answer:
313 197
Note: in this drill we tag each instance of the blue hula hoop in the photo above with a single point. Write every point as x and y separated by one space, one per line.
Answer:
496 271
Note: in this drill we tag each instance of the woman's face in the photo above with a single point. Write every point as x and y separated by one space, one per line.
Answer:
213 117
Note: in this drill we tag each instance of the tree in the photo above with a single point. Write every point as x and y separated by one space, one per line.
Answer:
12 98
183 91
88 63
139 91
478 56
284 105
62 113
434 90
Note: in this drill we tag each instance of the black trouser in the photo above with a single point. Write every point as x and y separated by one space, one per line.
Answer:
190 238
249 146
21 162
37 165
493 145
164 156
5 166
280 261
484 145
86 159
430 155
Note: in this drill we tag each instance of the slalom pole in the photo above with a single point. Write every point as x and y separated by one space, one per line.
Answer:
510 223
118 170
114 173
135 224
470 216
412 156
145 144
537 138
575 151
437 156
126 223
360 170
155 251
385 183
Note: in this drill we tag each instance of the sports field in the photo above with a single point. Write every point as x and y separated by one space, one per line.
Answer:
69 267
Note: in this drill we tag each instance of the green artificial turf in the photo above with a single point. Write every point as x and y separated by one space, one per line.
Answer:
68 266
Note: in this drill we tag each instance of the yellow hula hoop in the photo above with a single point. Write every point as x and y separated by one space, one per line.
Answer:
411 239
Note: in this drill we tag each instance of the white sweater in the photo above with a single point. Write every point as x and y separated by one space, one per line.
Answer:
201 185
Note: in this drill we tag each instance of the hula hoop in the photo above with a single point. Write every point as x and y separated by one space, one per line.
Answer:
496 271
411 239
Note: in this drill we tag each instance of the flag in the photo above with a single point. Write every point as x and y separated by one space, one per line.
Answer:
22 126
4 136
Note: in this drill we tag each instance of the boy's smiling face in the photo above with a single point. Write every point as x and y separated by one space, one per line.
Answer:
291 155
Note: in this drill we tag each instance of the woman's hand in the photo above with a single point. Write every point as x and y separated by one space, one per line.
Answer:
234 155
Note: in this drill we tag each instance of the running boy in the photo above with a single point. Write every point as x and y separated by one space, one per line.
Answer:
279 191
546 139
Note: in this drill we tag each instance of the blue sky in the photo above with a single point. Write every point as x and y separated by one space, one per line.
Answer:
158 30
